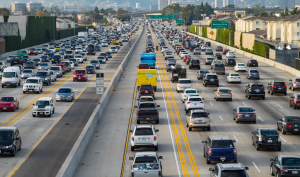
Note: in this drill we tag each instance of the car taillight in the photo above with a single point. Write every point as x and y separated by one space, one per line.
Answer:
231 77
288 125
217 79
154 138
250 89
218 92
188 102
206 79
260 139
264 89
184 95
295 83
201 102
209 151
239 77
191 85
156 112
284 86
138 113
234 151
254 114
273 86
177 85
284 170
132 138
239 114
230 93
250 62
199 74
279 139
249 74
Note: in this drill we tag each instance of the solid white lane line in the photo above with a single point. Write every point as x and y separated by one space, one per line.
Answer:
210 103
14 91
260 119
282 139
221 118
279 106
196 83
244 104
191 77
256 167
202 92
235 138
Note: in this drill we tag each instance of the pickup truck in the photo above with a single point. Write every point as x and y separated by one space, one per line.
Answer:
146 164
147 111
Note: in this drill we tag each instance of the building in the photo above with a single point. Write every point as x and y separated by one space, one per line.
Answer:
184 3
71 8
228 2
153 7
137 5
33 5
114 7
287 3
18 7
251 23
219 4
162 4
262 3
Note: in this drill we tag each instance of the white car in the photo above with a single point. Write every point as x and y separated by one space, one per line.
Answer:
33 84
104 44
79 58
164 49
183 84
240 67
188 92
144 136
183 54
230 54
204 47
234 77
78 49
84 56
52 49
145 99
72 64
113 49
194 102
39 50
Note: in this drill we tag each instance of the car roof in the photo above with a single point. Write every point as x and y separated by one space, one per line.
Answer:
143 126
12 128
33 78
232 166
294 156
224 88
65 88
45 98
141 154
220 137
184 79
198 110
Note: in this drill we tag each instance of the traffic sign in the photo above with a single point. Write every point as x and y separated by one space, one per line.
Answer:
156 16
170 16
211 33
219 25
99 83
179 21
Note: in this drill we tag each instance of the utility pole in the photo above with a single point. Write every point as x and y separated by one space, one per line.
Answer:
229 33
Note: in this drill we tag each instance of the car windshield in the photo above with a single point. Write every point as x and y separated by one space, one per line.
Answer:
113 47
95 61
89 67
145 159
204 71
143 65
209 58
146 87
6 135
42 103
200 114
44 64
7 99
185 81
208 50
41 73
79 71
78 56
27 71
56 57
36 59
34 81
290 161
233 173
25 56
69 52
147 105
195 99
173 60
143 131
9 74
64 90
245 110
191 91
222 144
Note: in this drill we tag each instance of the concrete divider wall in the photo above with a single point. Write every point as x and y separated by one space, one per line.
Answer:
71 163
268 61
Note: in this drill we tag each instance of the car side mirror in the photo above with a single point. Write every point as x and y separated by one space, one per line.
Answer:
157 130
51 104
17 138
130 158
33 104
246 168
135 107
252 133
130 131
203 98
234 109
203 141
160 157
211 169
253 109
158 106
291 96
233 141
272 160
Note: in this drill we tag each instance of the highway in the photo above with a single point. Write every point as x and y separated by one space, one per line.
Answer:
181 149
49 140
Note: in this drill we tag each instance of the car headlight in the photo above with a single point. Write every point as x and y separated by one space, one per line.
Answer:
47 109
10 146
12 104
57 96
69 96
34 109
46 78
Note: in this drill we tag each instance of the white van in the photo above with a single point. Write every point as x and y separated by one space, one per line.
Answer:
11 77
44 106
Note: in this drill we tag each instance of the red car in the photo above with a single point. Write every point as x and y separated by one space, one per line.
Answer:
32 51
80 75
186 57
143 66
295 100
9 103
225 51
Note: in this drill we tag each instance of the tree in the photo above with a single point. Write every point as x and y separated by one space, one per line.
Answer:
4 11
109 11
74 17
41 13
286 12
123 15
294 11
69 25
96 10
55 10
33 11
102 11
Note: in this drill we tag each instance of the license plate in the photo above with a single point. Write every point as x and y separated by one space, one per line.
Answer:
295 129
30 90
4 108
247 115
199 121
222 158
212 80
175 74
148 118
144 139
294 172
146 91
41 113
79 78
279 88
270 141
195 103
253 64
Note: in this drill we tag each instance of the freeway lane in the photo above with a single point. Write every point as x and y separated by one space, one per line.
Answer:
55 147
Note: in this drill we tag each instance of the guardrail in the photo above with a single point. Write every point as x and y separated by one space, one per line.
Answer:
71 163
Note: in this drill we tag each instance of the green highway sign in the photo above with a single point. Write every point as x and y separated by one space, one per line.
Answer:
156 16
219 25
170 16
179 21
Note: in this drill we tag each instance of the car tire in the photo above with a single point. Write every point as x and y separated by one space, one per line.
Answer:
263 97
50 114
236 120
138 122
208 128
13 153
33 115
295 107
254 122
293 88
271 93
257 146
217 99
20 147
156 148
249 97
207 161
24 92
204 85
132 148
271 171
252 142
279 149
230 99
190 128
284 93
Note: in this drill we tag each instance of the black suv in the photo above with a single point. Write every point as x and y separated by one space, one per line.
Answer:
277 87
266 138
255 90
211 79
56 59
16 60
230 61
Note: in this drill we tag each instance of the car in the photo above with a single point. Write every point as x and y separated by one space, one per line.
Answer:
146 90
188 92
223 93
56 59
47 105
68 54
193 102
211 79
230 61
101 59
183 84
33 84
183 54
45 76
234 77
266 138
95 63
218 67
97 48
62 51
285 165
252 74
45 58
37 61
288 124
198 119
255 90
225 51
9 58
9 103
186 57
219 148
27 73
219 48
78 49
209 52
171 61
144 136
104 54
295 100
143 66
244 114
79 58
204 47
57 70
147 111
294 83
202 74
194 63
65 94
229 169
2 65
109 54
90 69
277 87
10 136
208 61
53 76
252 62
104 44
26 58
45 46
44 66
29 64
84 56
68 45
197 51
32 51
39 50
208 44
230 54
240 67
212 65
80 75
52 49
74 60
217 56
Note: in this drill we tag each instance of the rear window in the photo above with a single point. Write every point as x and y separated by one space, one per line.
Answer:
212 77
245 110
195 99
185 81
209 59
293 120
200 114
146 99
143 131
253 71
234 75
289 161
146 87
254 87
268 132
279 83
195 61
224 91
233 173
143 65
209 50
222 144
145 159
147 105
205 71
79 71
241 64
219 65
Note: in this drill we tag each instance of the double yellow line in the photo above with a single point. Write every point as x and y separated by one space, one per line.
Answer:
181 126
